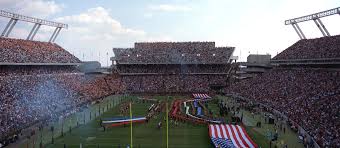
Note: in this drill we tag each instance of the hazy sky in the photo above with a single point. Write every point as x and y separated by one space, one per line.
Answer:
95 26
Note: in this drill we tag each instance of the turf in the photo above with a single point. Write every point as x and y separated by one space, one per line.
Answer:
261 135
144 135
181 135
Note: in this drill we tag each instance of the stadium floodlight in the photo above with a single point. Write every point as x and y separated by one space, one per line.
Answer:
37 23
313 16
316 18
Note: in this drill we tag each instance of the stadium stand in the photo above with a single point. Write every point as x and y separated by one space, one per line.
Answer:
32 75
161 67
307 95
39 82
25 51
15 70
319 48
173 53
173 69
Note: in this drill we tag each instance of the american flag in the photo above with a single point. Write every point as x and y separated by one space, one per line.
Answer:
230 136
222 143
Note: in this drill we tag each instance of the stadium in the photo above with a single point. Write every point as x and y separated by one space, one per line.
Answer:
169 94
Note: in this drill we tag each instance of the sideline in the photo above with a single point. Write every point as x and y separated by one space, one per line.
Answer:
63 125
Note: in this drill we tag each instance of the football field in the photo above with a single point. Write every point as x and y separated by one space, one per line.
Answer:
89 133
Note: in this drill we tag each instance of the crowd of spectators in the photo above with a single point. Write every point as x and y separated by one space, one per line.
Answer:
173 69
25 51
319 48
28 99
171 83
307 96
42 87
29 94
175 45
162 67
174 53
11 70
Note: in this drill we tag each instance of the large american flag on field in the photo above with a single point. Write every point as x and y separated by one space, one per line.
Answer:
230 136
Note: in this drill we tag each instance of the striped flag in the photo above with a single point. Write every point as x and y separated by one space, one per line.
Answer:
227 135
222 143
201 96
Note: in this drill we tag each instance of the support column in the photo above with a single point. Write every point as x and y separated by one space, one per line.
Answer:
297 32
56 35
29 35
51 38
35 31
323 26
6 28
11 27
303 35
318 25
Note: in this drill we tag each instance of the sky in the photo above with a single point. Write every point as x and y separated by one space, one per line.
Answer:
96 26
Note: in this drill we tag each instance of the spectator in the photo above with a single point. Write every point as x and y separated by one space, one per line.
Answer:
319 48
174 53
307 96
25 51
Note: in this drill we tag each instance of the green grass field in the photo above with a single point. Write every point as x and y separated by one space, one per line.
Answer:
181 135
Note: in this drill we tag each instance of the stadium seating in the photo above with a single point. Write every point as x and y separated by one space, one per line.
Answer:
11 70
28 99
48 89
308 96
173 67
25 51
174 53
319 48
171 83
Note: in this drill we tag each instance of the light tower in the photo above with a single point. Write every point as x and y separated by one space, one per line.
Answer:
316 18
14 18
